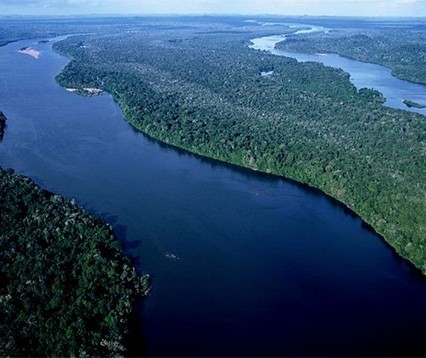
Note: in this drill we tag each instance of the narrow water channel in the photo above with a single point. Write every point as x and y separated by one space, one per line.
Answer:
362 75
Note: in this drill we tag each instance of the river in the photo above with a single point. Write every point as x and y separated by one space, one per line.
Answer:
362 74
242 263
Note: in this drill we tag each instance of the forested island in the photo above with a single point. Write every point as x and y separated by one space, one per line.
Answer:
403 50
3 120
66 289
410 103
201 89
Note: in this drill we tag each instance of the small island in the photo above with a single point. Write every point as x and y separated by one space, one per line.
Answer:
31 52
66 287
410 104
3 120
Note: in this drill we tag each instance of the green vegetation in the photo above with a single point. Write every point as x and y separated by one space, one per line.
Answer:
409 103
23 29
202 90
403 50
16 29
3 120
66 288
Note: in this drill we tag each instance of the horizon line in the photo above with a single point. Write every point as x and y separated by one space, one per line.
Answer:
207 15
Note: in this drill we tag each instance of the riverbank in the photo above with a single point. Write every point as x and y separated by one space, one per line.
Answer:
402 50
312 143
381 77
67 287
404 250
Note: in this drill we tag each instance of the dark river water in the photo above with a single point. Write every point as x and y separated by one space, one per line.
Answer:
242 263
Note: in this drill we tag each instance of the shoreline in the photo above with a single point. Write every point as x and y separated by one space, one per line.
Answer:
60 230
280 39
353 58
277 175
380 231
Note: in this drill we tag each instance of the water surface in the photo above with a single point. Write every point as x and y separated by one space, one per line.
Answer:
242 263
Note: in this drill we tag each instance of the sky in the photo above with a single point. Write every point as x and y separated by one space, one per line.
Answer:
399 8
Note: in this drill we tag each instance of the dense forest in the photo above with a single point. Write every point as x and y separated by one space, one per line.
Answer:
35 28
66 289
402 50
2 124
201 88
24 28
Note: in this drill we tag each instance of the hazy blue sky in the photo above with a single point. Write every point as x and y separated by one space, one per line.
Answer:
284 7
